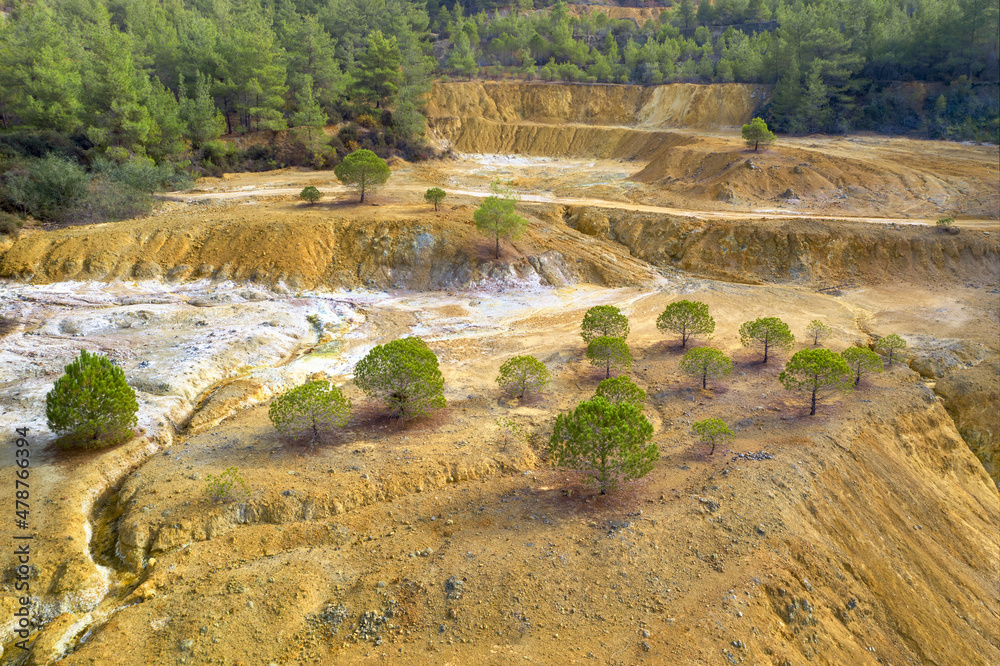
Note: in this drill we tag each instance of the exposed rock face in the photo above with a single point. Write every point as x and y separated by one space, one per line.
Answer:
971 396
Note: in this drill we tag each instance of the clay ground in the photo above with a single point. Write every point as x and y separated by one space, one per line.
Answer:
865 534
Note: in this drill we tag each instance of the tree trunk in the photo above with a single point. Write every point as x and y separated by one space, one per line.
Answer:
608 373
813 411
362 192
857 379
704 380
765 352
497 255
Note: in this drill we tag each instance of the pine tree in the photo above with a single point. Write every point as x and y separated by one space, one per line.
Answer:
92 405
379 72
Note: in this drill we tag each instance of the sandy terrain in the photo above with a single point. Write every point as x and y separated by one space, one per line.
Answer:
865 534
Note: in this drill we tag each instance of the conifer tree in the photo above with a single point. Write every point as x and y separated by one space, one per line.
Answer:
91 406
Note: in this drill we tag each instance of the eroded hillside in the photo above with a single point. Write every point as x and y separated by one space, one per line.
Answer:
863 535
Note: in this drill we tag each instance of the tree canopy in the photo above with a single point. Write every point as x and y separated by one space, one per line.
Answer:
818 371
521 376
686 318
712 431
706 363
889 347
609 442
621 389
862 361
364 171
756 133
435 195
609 353
313 407
496 216
818 331
767 333
604 320
404 375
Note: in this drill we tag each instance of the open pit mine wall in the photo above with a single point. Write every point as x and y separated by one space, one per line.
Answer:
440 255
607 121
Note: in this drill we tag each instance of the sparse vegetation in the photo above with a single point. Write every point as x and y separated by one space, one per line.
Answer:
607 441
310 194
435 195
604 321
404 375
316 406
768 333
713 432
862 361
819 371
706 363
226 486
686 318
10 225
521 376
756 133
496 216
609 352
364 171
91 406
889 346
621 389
817 330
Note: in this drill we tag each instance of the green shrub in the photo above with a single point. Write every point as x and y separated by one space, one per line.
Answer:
10 225
92 406
226 485
522 375
404 375
313 407
607 441
610 353
310 194
706 363
621 389
712 431
687 318
604 321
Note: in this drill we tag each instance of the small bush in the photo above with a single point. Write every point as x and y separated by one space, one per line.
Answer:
226 485
311 407
367 121
521 376
91 406
10 225
310 194
712 431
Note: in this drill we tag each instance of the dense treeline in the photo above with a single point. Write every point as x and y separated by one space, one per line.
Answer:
104 101
833 63
107 89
